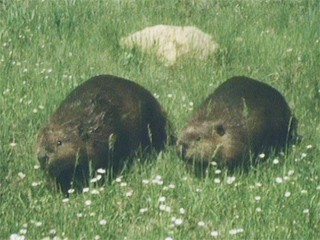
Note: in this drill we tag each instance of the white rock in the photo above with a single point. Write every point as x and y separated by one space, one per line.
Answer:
172 42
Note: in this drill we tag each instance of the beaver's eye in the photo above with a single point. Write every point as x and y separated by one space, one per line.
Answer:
220 129
198 138
59 143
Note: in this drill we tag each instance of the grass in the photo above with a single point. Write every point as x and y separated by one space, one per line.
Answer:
49 47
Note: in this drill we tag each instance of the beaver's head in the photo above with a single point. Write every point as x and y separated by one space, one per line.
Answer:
209 141
61 148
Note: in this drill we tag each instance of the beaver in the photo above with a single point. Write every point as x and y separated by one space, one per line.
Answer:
100 124
240 120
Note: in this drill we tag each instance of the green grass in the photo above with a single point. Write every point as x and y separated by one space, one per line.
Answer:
48 47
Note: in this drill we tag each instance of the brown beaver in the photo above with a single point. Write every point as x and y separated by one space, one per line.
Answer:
100 124
241 119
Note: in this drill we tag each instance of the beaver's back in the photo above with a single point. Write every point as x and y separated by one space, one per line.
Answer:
127 105
245 117
256 106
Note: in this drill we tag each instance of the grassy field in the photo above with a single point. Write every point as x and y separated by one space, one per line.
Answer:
49 47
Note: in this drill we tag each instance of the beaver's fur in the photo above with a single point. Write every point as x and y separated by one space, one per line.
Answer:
239 120
99 125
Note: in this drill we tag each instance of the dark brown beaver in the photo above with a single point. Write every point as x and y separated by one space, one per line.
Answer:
100 124
241 119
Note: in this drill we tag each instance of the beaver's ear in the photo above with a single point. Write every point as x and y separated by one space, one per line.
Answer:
83 133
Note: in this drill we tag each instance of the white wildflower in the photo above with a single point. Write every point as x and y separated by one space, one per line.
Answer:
123 184
119 179
217 180
164 208
275 161
306 211
290 172
143 210
21 175
257 198
182 211
279 180
101 171
71 190
145 181
16 236
201 224
214 233
287 194
129 194
94 191
236 231
230 180
103 222
162 199
178 221
36 167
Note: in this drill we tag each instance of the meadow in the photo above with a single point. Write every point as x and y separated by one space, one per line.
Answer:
48 47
